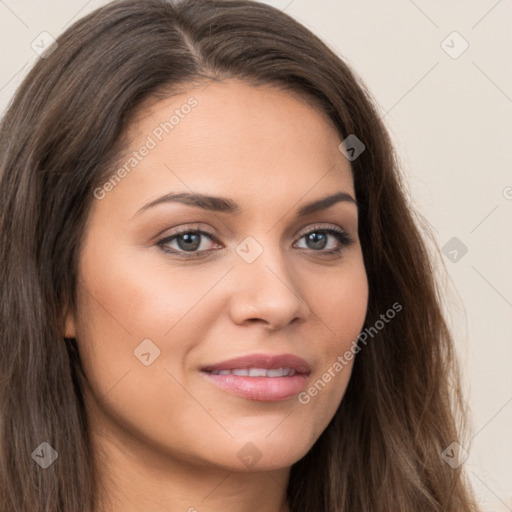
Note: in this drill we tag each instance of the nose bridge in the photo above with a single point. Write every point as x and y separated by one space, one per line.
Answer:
260 255
264 287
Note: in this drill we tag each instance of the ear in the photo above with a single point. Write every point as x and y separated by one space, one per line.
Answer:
70 325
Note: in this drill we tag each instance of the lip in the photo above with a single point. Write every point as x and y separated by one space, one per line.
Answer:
265 389
267 361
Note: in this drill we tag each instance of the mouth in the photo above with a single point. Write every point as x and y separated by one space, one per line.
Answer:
258 372
260 377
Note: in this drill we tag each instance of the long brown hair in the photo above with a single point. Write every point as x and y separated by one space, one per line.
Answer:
60 139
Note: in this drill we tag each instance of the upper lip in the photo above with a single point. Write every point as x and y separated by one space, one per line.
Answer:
267 361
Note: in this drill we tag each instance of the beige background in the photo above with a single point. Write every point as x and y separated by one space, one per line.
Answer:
450 117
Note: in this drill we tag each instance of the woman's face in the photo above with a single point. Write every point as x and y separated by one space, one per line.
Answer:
152 325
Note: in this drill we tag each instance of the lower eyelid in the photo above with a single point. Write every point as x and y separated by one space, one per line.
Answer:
342 237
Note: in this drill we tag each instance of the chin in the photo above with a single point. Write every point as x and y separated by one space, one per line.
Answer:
252 453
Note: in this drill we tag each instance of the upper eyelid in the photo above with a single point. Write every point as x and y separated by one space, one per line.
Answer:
302 232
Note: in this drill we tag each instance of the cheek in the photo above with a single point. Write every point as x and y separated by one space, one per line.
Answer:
128 310
130 307
137 297
340 310
341 304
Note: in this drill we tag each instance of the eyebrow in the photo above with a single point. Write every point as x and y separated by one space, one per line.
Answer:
225 205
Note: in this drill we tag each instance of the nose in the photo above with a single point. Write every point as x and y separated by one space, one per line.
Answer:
266 292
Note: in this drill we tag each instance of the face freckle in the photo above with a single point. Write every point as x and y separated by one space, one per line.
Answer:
149 320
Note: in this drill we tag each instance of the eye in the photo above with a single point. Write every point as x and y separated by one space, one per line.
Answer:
188 241
318 237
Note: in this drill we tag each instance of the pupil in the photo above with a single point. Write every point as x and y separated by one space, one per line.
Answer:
318 240
191 241
188 238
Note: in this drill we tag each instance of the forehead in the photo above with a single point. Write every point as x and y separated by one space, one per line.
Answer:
232 138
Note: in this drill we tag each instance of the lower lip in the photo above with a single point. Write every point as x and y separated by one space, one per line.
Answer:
265 389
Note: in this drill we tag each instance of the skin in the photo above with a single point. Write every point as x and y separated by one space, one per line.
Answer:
165 437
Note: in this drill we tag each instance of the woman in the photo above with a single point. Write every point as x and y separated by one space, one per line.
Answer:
215 293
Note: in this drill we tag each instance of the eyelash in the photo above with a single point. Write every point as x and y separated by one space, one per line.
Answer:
343 238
